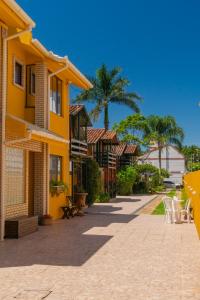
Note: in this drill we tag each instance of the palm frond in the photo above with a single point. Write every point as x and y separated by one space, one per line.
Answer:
126 101
95 112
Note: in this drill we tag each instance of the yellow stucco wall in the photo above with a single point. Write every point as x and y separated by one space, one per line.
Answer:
55 202
16 105
192 187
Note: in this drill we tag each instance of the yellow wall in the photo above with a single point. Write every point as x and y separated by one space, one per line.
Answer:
192 187
60 124
16 105
55 202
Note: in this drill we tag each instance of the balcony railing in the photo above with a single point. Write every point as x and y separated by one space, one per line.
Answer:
78 148
106 159
125 162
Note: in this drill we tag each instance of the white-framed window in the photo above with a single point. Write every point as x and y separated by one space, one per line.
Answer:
19 73
56 95
15 176
55 168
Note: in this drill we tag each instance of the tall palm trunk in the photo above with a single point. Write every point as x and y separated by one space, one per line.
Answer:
159 156
106 118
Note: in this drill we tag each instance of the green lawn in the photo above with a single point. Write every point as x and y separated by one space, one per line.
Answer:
184 198
160 210
171 194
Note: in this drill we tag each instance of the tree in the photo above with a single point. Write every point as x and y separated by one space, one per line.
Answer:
93 180
163 131
108 87
192 156
131 129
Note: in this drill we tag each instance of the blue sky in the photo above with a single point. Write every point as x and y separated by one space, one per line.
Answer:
155 42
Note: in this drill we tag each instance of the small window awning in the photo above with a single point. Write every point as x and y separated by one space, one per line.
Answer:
30 131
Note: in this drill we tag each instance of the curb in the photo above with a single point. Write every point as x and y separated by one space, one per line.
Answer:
141 207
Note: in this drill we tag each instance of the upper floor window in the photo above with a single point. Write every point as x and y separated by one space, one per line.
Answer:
32 81
18 73
56 95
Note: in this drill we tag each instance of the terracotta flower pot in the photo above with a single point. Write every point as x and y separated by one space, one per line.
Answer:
80 199
46 221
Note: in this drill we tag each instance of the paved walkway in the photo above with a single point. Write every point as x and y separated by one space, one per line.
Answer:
109 254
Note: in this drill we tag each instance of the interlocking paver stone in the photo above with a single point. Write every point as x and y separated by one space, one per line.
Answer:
109 254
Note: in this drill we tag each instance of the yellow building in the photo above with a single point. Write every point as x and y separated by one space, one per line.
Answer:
34 119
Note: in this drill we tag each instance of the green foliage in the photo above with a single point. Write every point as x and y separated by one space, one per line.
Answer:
108 87
153 129
172 193
193 166
159 188
159 210
125 180
192 156
103 198
164 173
146 168
184 198
57 187
149 178
163 130
131 128
93 181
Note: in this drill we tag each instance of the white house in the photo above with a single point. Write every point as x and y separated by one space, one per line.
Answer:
171 160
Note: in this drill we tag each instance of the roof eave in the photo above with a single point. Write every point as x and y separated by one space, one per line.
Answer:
85 83
20 12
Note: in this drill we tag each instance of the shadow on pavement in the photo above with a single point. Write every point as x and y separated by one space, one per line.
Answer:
65 243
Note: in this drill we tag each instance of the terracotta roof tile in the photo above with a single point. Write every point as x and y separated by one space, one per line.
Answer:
119 149
130 149
94 134
74 109
110 135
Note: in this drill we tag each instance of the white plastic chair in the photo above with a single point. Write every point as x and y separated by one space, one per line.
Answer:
186 210
167 201
176 210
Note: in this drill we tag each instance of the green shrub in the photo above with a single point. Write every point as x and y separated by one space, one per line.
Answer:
103 198
149 178
194 166
93 181
159 188
125 180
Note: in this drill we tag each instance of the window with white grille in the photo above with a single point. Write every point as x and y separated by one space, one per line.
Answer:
15 176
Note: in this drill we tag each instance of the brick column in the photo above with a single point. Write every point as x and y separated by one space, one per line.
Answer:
3 83
1 62
41 101
41 192
41 169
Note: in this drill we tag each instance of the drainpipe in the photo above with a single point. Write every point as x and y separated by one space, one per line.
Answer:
4 104
48 120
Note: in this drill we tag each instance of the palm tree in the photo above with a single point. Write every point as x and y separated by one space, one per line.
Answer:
163 131
108 87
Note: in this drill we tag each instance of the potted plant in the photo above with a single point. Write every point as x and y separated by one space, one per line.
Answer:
46 220
80 199
57 187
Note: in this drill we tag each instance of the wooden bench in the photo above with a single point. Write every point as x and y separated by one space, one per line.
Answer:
20 226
